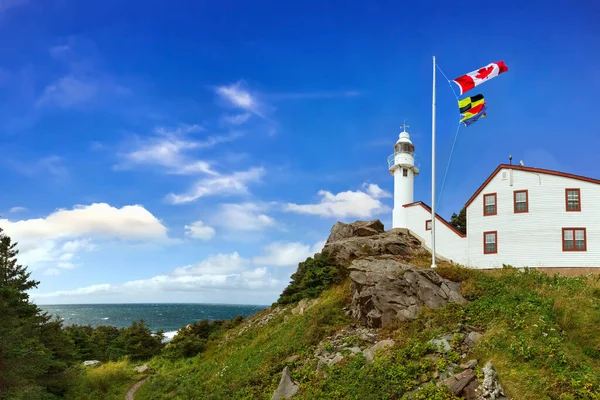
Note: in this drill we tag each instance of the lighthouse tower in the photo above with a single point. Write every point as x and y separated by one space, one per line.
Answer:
402 167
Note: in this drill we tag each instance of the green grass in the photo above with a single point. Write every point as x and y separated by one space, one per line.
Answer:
108 381
541 332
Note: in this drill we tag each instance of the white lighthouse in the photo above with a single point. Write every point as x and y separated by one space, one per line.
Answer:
402 167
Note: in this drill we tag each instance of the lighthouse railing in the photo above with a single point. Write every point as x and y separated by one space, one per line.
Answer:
392 158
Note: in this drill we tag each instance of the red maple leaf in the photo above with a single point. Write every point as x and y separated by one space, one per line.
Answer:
484 72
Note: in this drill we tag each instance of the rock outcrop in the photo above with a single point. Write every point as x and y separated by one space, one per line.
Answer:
384 290
91 363
287 388
348 242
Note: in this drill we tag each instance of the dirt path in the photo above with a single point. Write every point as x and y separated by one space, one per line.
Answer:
131 392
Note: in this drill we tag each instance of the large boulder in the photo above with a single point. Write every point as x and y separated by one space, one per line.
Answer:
348 242
287 388
384 290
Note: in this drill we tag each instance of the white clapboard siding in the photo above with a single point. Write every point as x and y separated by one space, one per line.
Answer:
534 238
449 244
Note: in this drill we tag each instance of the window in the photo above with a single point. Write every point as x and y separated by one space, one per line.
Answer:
521 201
490 242
428 225
489 204
573 199
574 239
404 172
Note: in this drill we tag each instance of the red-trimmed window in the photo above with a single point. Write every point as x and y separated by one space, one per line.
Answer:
490 242
573 199
489 204
428 225
521 201
574 239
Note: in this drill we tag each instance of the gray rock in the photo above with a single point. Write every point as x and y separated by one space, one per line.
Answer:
385 290
458 382
370 352
287 388
304 305
469 364
336 359
142 369
470 391
348 242
441 345
490 388
472 338
355 350
91 363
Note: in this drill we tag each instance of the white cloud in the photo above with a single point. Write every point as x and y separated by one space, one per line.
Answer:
17 209
53 165
357 204
244 217
169 148
68 92
235 183
237 119
218 264
284 254
198 230
239 97
54 242
127 222
375 191
216 272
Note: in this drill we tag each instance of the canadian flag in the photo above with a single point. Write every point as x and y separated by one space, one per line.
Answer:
477 77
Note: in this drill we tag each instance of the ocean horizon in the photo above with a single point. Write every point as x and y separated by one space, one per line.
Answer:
168 317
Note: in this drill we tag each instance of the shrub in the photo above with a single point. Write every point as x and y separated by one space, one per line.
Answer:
312 277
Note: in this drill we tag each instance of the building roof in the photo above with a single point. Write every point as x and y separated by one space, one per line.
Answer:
529 169
425 206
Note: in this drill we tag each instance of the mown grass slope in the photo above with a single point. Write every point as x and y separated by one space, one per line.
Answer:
542 333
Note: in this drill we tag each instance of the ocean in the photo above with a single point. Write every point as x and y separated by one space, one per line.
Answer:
166 316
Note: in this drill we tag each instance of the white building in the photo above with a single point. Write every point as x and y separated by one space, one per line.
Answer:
521 216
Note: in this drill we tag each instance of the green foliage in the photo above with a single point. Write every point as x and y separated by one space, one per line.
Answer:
312 277
108 381
192 339
138 341
460 221
28 344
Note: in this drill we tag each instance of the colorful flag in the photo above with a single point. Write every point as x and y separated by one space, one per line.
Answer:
474 114
468 103
477 77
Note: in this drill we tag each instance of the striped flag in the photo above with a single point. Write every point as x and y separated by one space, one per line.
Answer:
474 114
477 77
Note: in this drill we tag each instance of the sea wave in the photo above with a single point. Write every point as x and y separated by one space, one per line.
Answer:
105 318
169 335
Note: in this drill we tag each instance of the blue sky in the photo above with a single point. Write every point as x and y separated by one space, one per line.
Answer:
196 151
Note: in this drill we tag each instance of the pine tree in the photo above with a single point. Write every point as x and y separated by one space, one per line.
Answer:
459 221
23 357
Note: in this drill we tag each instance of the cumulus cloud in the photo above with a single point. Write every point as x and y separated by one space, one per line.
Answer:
244 217
234 183
356 204
198 230
53 242
216 272
287 254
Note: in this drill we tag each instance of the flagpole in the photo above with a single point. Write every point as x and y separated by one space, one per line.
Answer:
433 171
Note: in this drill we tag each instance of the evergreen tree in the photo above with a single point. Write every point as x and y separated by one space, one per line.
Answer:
23 357
459 221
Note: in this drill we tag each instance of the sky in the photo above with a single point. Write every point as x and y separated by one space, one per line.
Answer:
196 151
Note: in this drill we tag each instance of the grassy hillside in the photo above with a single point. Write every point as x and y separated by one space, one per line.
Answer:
542 334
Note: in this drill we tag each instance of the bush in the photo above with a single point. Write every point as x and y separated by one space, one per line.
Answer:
312 277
